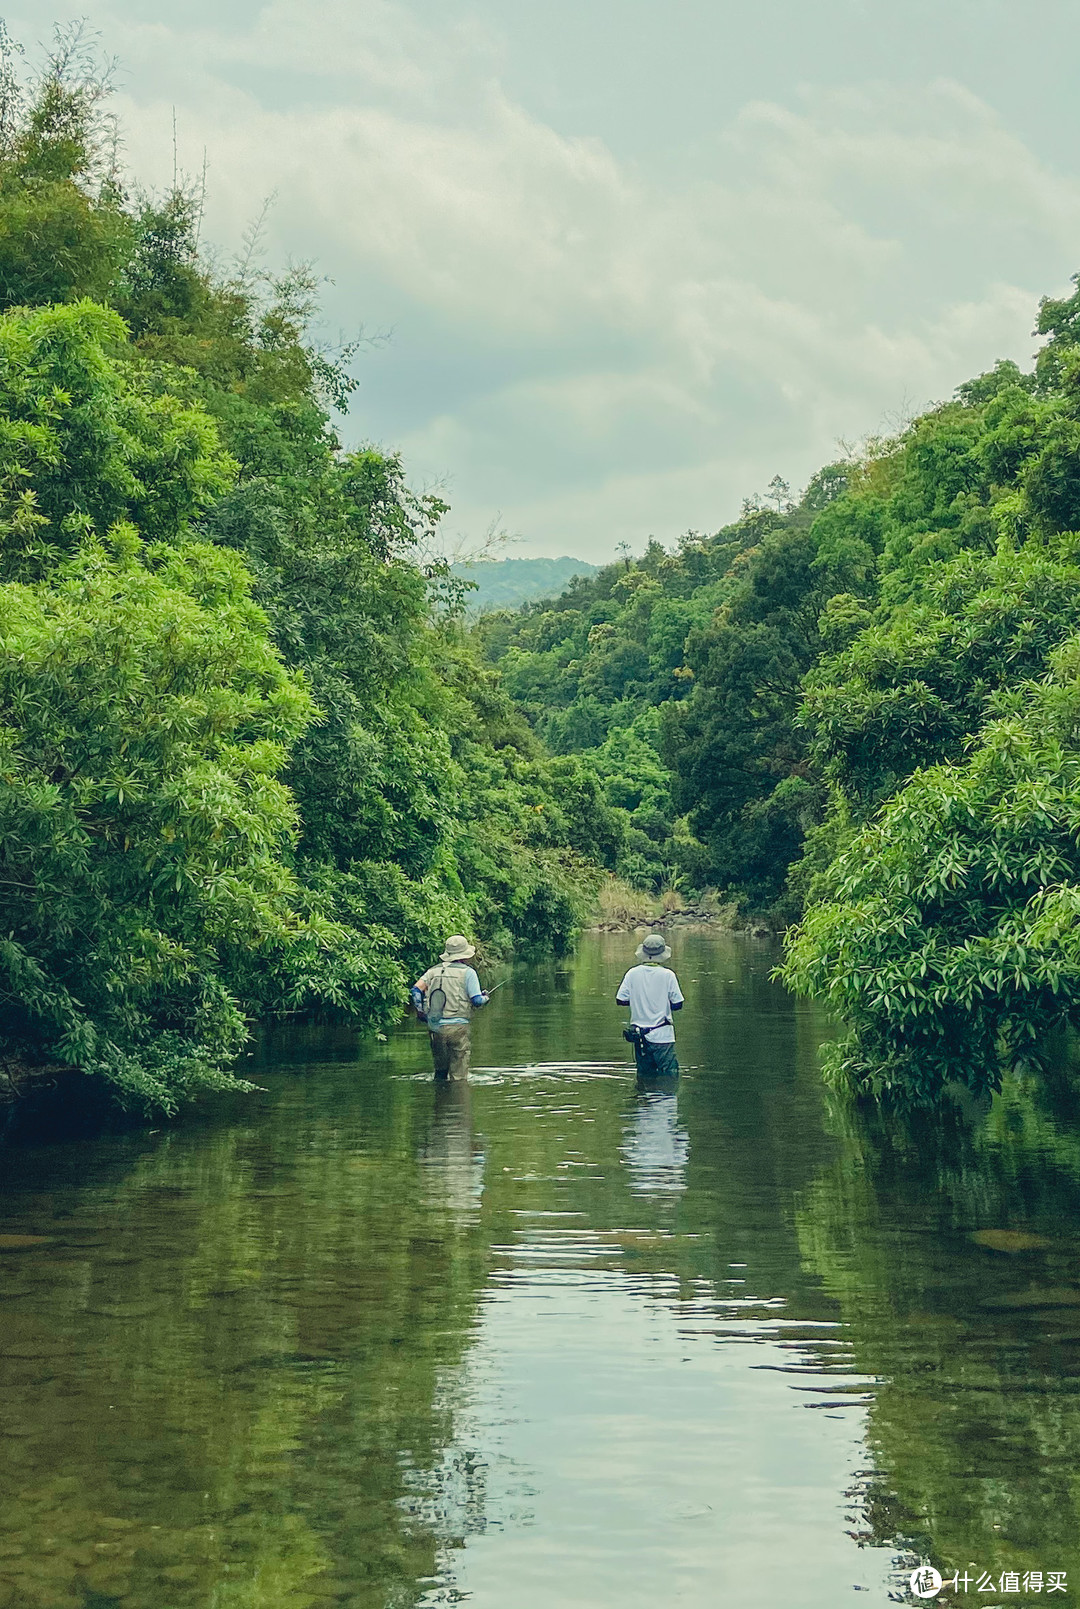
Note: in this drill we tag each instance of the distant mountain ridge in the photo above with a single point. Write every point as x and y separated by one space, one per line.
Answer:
507 583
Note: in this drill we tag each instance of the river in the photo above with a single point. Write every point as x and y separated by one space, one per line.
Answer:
547 1340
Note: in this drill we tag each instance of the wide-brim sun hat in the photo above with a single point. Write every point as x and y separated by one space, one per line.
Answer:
647 950
458 948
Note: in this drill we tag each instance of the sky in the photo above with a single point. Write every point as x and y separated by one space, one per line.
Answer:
623 261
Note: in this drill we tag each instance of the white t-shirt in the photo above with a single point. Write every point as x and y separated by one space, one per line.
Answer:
650 992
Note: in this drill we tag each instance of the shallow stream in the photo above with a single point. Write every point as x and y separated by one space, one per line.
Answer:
549 1339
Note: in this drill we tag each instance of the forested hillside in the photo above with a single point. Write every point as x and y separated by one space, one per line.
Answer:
508 583
248 761
864 706
677 677
255 760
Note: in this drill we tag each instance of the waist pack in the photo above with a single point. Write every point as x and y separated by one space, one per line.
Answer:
638 1036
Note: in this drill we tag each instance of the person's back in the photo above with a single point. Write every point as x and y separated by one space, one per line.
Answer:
458 983
653 994
445 997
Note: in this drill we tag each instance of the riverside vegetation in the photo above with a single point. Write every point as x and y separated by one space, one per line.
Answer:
253 759
249 763
860 712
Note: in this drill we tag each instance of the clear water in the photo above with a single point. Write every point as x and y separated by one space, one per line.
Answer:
549 1339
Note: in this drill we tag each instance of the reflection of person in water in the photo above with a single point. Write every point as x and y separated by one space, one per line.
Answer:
452 1164
656 1150
652 992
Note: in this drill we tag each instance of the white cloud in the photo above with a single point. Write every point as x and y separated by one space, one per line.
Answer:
667 345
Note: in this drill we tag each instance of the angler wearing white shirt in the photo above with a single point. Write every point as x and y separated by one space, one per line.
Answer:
652 992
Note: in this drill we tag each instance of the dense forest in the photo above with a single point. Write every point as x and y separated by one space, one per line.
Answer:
257 758
676 677
859 712
249 763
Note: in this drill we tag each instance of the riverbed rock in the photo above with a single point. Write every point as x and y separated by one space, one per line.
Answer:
687 918
1008 1240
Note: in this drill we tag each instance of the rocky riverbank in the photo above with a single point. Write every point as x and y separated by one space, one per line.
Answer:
725 920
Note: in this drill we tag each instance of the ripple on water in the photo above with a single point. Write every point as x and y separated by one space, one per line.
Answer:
543 1338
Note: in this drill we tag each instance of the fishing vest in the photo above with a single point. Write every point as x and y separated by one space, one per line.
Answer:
450 978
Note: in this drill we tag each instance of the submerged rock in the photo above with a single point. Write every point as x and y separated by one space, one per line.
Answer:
1010 1240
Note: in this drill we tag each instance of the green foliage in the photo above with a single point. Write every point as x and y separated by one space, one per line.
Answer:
149 903
418 750
593 669
825 695
910 691
735 746
949 938
677 679
251 765
144 719
84 444
748 711
942 882
63 231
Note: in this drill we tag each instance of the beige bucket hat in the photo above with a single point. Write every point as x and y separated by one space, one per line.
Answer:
458 948
653 948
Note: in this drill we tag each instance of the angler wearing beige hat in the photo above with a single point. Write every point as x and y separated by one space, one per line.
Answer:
652 992
445 998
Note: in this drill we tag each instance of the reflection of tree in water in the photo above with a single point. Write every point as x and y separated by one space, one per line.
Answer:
953 1251
230 1379
655 1149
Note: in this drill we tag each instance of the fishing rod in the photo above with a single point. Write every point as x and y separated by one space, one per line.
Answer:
491 991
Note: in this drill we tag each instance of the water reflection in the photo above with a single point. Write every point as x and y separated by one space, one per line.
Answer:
655 1148
451 1160
952 1245
368 1341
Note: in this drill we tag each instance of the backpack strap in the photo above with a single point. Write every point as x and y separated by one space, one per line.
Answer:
436 985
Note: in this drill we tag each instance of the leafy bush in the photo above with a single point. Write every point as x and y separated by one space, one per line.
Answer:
144 722
949 937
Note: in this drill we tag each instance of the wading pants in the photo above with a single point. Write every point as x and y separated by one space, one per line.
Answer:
655 1061
450 1048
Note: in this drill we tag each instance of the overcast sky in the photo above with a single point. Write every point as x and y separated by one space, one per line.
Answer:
635 256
